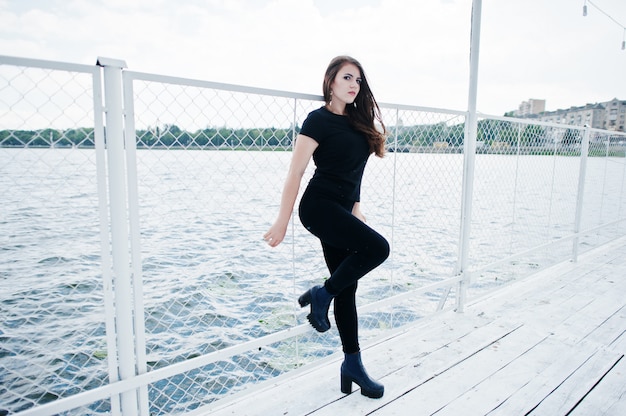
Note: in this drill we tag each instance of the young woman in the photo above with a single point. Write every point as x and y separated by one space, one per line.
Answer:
340 136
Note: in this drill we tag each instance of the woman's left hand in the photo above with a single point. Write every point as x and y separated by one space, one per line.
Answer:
356 211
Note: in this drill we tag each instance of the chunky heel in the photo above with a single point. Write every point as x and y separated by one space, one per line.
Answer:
319 299
305 299
346 384
352 371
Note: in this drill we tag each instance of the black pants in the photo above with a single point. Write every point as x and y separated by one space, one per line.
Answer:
351 250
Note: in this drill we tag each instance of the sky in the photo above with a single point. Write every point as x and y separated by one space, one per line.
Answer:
414 52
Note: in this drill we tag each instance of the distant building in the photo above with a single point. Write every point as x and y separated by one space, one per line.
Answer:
615 115
592 115
532 106
610 115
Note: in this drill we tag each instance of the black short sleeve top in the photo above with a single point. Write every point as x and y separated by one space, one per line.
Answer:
340 157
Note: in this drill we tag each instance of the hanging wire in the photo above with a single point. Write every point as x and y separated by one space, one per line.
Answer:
607 15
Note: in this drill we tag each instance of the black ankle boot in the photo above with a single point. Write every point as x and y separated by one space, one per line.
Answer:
319 299
352 371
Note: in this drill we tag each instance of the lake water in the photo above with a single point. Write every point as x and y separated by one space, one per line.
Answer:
211 282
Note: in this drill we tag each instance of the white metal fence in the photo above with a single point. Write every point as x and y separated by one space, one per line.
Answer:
133 275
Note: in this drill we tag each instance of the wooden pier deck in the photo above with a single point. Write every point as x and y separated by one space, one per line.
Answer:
552 344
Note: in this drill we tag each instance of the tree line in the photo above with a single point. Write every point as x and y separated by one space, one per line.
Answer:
401 138
168 136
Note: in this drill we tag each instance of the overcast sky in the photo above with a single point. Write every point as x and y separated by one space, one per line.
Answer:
414 51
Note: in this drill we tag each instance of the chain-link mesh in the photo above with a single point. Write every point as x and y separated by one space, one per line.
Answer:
211 166
52 342
605 189
207 192
526 190
211 161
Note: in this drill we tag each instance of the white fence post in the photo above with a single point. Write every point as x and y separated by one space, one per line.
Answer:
119 227
135 238
107 278
584 150
469 150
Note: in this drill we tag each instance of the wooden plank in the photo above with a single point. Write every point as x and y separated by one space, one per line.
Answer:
582 324
309 390
618 343
613 326
425 368
551 286
499 387
591 315
285 397
547 306
438 389
608 397
588 329
575 387
531 394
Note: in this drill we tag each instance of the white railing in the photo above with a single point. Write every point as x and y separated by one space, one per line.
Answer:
134 277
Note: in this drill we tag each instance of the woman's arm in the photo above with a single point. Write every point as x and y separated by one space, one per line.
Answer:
302 152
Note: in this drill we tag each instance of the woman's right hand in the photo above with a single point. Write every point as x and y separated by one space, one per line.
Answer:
275 235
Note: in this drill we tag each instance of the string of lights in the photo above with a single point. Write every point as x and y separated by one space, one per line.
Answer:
607 15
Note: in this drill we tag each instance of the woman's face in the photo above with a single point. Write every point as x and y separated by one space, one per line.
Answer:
347 84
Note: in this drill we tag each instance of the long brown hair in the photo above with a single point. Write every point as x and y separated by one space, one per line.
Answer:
364 112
